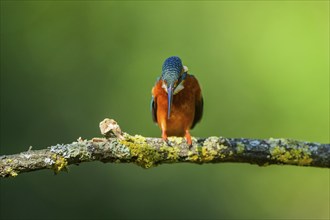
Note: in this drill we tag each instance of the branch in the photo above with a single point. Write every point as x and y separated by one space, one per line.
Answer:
119 147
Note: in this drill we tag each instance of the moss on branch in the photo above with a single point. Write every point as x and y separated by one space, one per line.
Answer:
120 147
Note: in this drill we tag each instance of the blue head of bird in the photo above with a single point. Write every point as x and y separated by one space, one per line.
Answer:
172 77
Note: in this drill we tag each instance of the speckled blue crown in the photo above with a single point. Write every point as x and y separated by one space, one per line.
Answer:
172 66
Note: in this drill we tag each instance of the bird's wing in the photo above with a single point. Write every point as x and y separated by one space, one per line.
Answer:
153 108
199 104
198 111
153 104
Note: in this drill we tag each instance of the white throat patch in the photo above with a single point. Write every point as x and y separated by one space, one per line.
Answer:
176 90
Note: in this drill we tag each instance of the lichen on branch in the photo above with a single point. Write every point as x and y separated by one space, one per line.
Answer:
120 147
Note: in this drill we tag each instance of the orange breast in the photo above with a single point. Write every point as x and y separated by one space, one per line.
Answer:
182 110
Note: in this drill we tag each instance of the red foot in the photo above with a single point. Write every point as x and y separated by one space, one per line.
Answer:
188 138
164 136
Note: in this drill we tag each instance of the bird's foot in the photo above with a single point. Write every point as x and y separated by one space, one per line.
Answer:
167 142
188 138
164 137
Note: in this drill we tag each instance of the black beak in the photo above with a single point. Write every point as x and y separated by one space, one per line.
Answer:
170 90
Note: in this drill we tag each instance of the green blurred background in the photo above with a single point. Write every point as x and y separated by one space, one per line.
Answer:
66 65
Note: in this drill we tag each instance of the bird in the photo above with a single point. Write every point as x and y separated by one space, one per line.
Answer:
177 101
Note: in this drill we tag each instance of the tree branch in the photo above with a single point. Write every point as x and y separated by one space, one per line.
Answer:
120 147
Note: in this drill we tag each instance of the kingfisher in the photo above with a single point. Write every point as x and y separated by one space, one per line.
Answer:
177 101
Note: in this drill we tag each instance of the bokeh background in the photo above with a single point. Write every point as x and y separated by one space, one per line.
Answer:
264 71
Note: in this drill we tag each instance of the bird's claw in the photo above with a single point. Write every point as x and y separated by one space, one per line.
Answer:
167 142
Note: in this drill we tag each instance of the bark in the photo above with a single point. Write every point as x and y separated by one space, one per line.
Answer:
119 147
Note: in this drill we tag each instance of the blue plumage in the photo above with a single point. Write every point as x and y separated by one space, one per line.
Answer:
172 69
